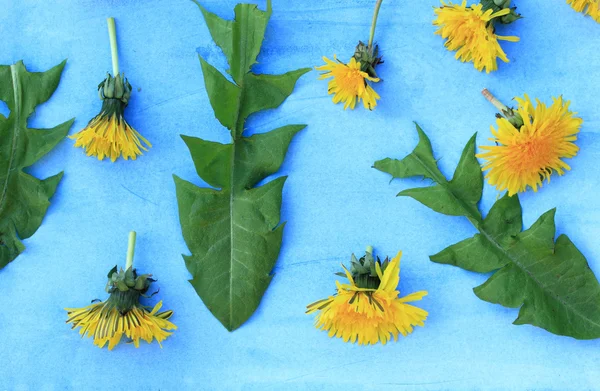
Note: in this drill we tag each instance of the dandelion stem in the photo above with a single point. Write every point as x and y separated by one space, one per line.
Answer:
510 114
373 24
370 249
493 100
130 250
112 34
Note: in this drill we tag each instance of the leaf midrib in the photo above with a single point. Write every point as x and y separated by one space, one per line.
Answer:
236 136
17 114
231 203
442 181
540 285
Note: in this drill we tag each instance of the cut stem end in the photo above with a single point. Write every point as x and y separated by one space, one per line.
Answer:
510 114
493 100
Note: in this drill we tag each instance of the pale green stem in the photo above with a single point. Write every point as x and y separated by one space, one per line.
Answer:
493 100
130 250
112 34
370 249
373 24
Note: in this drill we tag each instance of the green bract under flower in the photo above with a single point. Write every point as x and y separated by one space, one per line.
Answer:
368 58
115 88
364 270
126 287
499 5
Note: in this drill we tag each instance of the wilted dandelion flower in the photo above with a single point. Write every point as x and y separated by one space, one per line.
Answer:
470 31
368 308
122 314
531 143
350 82
107 324
108 134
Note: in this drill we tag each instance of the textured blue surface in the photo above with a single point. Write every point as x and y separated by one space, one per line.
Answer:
334 202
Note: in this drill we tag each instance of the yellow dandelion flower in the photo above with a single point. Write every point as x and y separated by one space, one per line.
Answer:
368 309
108 134
470 32
349 83
587 7
122 314
530 150
106 324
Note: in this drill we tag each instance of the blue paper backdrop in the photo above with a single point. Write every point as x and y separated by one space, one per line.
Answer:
334 202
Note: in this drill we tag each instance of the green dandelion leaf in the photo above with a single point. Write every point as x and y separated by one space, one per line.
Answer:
549 280
234 230
24 199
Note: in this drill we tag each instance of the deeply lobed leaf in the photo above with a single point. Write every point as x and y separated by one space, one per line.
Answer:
234 231
458 197
24 199
550 281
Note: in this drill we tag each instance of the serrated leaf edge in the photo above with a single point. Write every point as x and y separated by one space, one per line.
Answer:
497 246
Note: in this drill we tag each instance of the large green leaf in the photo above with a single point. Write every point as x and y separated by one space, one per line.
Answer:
234 230
24 199
549 280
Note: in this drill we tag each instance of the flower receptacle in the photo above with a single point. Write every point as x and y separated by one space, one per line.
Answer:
117 87
368 57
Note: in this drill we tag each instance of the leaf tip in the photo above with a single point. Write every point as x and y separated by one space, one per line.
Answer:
403 193
299 128
199 5
60 67
379 163
202 61
551 213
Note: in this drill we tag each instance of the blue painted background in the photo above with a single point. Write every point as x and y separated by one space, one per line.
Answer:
334 202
